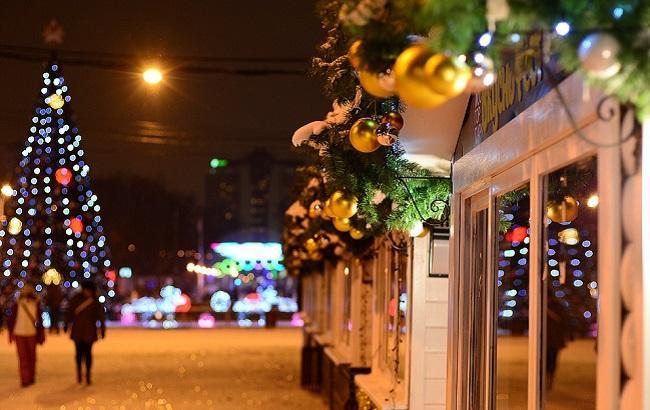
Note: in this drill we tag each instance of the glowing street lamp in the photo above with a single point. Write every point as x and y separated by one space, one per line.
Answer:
152 75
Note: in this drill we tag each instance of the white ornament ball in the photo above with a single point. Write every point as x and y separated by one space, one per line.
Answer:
598 54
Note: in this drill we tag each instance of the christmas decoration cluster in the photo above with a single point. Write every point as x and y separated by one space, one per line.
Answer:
367 186
429 51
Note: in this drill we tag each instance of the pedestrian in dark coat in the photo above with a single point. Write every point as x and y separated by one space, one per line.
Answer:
53 299
25 326
84 315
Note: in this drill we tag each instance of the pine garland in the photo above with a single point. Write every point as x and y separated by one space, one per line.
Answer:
453 27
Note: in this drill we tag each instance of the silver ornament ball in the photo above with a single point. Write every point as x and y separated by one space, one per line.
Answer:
598 53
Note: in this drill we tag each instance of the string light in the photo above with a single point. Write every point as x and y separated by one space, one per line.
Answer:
152 76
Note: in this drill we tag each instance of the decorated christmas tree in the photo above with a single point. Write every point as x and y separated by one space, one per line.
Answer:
52 231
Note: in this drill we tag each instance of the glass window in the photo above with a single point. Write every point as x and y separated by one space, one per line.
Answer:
570 287
511 299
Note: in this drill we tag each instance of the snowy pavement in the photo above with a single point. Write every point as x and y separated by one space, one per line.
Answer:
166 369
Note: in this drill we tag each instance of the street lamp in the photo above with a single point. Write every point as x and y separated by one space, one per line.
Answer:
152 75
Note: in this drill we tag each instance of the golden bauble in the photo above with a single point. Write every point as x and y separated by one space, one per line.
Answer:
15 226
327 211
371 82
363 135
354 55
411 79
343 204
356 233
55 101
311 245
315 209
565 210
341 224
447 76
393 118
315 256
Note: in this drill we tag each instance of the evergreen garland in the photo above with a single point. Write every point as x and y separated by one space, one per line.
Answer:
453 26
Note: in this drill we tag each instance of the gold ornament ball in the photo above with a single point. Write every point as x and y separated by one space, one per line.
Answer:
327 211
341 224
343 204
55 101
363 136
315 209
15 226
412 81
393 118
315 256
354 55
311 245
356 233
447 76
565 210
371 82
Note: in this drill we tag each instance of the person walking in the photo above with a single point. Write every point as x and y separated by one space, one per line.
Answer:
53 299
26 329
84 314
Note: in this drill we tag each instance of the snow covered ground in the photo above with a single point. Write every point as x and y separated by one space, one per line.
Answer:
166 369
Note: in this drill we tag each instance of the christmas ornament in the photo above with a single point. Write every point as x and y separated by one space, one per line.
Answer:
411 80
354 55
356 233
341 224
393 118
326 213
374 84
311 245
598 53
15 225
565 210
483 74
315 209
569 236
63 176
387 135
55 101
362 135
76 225
447 76
343 204
315 256
517 234
51 277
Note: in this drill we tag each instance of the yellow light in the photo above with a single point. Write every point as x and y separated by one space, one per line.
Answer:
152 76
52 276
55 101
569 236
593 200
15 225
7 190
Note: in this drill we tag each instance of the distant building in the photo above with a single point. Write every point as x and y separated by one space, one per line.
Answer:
245 199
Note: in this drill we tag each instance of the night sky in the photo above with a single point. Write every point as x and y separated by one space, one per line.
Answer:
168 134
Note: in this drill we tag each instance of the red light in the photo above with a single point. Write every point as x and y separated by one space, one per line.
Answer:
76 225
63 176
185 306
110 275
517 235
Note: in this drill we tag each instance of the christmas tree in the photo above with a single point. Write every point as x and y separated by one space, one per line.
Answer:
52 231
